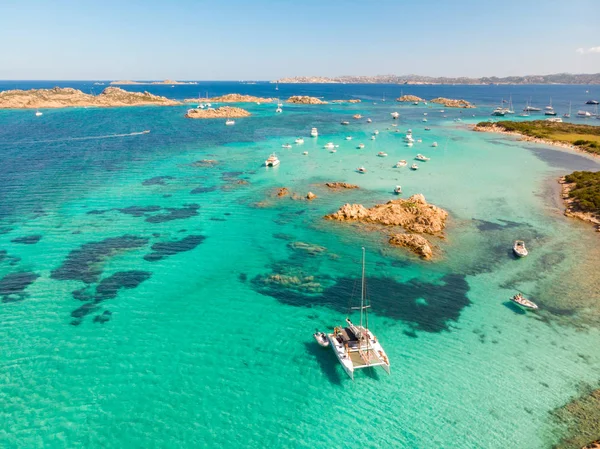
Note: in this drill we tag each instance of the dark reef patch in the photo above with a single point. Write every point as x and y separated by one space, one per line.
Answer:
28 239
84 263
425 306
166 249
139 211
13 285
217 219
84 310
157 181
109 287
103 318
187 211
199 190
484 225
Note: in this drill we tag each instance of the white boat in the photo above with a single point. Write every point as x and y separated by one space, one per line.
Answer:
356 347
146 131
344 122
591 101
549 110
414 167
409 144
361 170
583 114
554 120
305 153
369 120
360 146
286 145
416 103
348 137
279 105
409 138
424 120
329 146
321 338
278 110
427 129
38 113
375 132
434 144
568 114
524 302
299 140
332 150
395 115
401 163
314 132
373 137
420 157
419 140
398 190
519 248
272 161
424 113
230 122
382 154
499 111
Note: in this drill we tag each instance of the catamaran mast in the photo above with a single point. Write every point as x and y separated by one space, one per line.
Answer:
362 288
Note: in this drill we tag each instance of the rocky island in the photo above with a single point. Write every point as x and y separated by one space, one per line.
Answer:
231 98
581 194
222 112
567 135
354 100
410 99
64 97
303 99
409 219
452 103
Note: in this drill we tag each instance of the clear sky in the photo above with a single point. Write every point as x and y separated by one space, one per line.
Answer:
259 39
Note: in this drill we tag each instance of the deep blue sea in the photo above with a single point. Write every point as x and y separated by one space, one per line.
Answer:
153 291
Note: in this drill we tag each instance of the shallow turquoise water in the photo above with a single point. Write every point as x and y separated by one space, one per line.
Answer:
197 352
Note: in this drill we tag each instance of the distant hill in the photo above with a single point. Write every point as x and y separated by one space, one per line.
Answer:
557 78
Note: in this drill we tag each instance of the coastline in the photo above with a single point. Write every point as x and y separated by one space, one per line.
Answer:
571 207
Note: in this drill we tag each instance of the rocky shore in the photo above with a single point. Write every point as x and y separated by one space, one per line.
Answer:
452 103
231 98
410 99
303 99
68 97
572 207
414 216
222 112
340 185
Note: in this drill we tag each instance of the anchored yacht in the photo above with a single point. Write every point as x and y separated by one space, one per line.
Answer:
356 347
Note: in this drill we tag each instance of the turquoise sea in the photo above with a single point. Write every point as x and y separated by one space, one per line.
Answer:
135 307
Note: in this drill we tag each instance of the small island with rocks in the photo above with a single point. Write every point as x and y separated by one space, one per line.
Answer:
410 99
231 98
581 194
303 99
409 219
222 112
452 103
64 97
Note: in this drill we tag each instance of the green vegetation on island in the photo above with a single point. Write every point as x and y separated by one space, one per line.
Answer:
586 190
584 137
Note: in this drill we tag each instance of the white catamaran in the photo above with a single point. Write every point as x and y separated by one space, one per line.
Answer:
355 346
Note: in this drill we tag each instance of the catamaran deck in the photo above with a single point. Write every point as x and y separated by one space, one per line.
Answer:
359 362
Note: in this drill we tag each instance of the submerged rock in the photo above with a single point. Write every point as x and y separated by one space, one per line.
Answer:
340 185
416 243
283 192
311 249
310 196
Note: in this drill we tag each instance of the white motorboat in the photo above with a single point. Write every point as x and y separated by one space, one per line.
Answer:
424 120
278 110
519 248
416 103
356 347
524 302
434 144
38 113
314 132
427 129
499 112
360 146
592 101
414 167
305 153
409 138
348 137
286 146
361 170
584 114
395 115
321 338
382 154
345 122
398 190
332 150
146 131
369 120
409 144
419 140
329 146
373 137
299 141
424 113
401 163
420 157
272 161
549 110
375 132
230 122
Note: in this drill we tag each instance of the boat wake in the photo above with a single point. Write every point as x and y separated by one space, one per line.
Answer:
70 139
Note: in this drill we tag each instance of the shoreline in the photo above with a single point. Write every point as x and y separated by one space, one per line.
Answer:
522 137
571 210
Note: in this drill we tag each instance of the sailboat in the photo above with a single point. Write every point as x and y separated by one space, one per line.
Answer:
356 347
549 110
510 109
568 114
525 112
277 86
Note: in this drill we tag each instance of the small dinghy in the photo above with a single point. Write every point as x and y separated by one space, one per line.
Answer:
373 137
321 338
420 157
434 144
286 145
299 140
401 163
398 190
519 248
369 120
524 302
382 154
345 122
414 167
348 137
361 170
427 129
305 153
375 132
360 146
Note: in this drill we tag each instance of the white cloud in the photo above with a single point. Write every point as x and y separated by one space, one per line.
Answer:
583 51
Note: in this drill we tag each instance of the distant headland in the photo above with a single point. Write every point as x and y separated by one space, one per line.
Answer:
129 82
68 97
557 78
